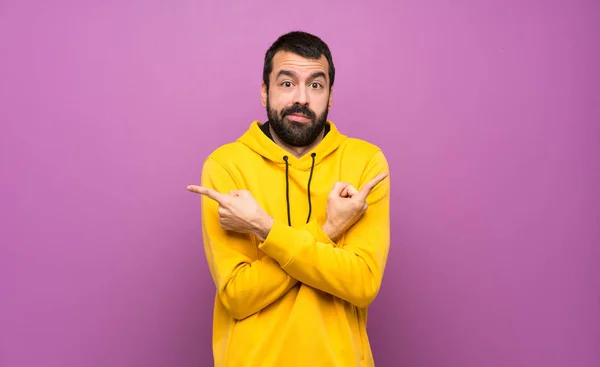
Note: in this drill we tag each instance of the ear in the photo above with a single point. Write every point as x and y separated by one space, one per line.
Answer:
263 94
330 98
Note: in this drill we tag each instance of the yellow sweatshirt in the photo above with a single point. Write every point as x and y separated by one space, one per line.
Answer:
296 299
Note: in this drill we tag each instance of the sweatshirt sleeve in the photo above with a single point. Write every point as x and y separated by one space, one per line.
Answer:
244 285
352 269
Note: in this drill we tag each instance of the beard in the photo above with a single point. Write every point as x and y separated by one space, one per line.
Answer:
294 133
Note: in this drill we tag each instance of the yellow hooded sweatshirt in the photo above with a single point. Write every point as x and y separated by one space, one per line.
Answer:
298 298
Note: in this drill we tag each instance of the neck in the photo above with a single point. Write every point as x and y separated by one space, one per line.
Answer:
296 151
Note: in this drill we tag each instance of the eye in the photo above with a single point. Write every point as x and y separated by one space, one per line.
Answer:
286 84
315 85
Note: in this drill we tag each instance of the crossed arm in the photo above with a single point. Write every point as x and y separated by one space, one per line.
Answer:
345 256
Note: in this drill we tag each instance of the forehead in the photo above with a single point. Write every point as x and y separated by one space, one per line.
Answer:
284 60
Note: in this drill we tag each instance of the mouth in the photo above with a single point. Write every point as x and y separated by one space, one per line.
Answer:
298 117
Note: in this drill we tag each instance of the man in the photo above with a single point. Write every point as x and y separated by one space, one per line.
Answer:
296 250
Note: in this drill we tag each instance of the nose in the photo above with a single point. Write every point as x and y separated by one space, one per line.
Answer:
301 95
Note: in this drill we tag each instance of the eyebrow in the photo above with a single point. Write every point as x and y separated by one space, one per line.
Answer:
318 74
315 75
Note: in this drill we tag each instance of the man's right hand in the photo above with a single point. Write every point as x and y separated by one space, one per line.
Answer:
345 205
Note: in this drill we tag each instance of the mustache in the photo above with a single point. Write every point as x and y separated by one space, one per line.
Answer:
297 108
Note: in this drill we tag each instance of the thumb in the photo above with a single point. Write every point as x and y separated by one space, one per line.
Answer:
351 191
243 193
338 189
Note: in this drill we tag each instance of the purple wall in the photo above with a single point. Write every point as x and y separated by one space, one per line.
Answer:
488 111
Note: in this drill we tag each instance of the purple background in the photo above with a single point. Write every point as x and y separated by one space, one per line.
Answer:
487 110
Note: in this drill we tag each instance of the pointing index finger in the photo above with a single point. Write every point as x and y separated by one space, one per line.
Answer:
208 192
366 189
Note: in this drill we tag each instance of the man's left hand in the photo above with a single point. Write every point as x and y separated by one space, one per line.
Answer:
238 211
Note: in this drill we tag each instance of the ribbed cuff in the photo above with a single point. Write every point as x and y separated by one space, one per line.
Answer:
282 242
317 230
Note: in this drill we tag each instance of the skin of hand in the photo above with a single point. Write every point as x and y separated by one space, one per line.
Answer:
240 212
345 206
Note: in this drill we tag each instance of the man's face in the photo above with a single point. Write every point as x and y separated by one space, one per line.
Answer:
298 98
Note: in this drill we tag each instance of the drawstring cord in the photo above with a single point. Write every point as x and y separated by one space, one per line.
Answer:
287 188
312 167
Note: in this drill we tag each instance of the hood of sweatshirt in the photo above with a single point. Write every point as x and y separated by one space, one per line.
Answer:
258 139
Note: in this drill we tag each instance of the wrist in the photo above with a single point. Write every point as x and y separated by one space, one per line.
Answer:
331 231
263 227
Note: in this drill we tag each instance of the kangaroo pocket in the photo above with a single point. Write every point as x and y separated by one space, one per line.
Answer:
324 332
253 339
304 328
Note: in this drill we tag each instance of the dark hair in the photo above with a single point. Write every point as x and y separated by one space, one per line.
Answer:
300 43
